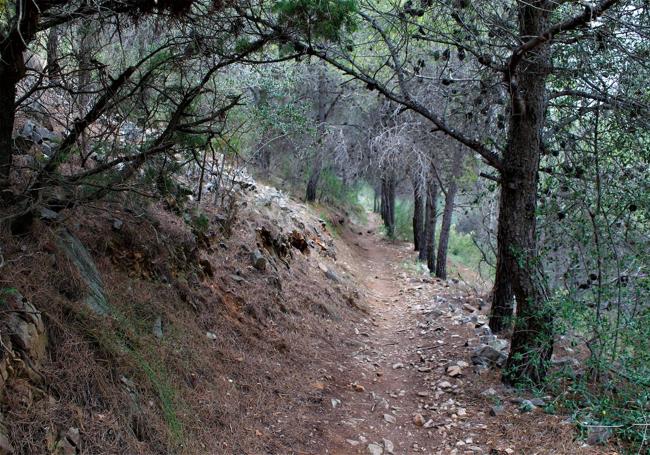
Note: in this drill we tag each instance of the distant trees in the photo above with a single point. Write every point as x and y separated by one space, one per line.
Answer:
510 49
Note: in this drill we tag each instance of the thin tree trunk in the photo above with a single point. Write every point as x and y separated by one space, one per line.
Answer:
388 198
53 67
450 200
12 69
430 224
312 183
532 340
445 228
418 220
7 115
314 176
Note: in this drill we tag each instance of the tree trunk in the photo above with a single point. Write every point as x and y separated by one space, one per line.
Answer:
312 183
428 252
375 200
418 221
12 69
445 228
450 200
7 115
501 311
53 67
532 341
388 204
314 175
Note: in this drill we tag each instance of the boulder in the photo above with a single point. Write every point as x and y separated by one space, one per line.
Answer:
489 357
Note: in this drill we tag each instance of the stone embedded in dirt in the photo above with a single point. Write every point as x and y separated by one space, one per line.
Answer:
527 406
445 385
358 387
332 276
418 420
470 308
499 344
483 330
258 260
390 418
211 336
423 394
335 403
157 328
398 365
598 435
352 442
538 402
425 369
461 412
489 392
496 410
454 371
117 224
489 357
389 447
375 449
462 364
323 268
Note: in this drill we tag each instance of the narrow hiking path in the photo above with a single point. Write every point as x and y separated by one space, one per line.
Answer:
413 387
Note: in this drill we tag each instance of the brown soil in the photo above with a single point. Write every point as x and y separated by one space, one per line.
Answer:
289 342
402 327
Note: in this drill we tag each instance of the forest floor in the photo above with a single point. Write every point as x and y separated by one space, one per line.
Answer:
403 397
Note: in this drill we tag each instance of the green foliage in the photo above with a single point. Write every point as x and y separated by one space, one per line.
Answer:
158 378
404 219
318 18
199 222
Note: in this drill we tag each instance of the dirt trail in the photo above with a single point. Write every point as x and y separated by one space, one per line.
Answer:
401 398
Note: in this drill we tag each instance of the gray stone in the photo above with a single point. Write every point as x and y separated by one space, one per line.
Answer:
496 410
488 356
258 260
48 214
96 301
389 447
598 435
332 276
375 449
499 344
539 402
390 418
158 328
527 406
74 436
117 224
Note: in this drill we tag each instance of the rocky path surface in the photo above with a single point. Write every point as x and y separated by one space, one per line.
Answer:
420 369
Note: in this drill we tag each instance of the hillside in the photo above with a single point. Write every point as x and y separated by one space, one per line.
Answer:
262 332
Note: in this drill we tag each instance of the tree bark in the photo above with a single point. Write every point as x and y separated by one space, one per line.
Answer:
314 175
388 204
502 308
428 252
12 69
312 183
450 200
53 67
445 228
532 341
418 220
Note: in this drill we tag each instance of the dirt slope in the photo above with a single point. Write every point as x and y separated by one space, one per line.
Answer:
266 333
